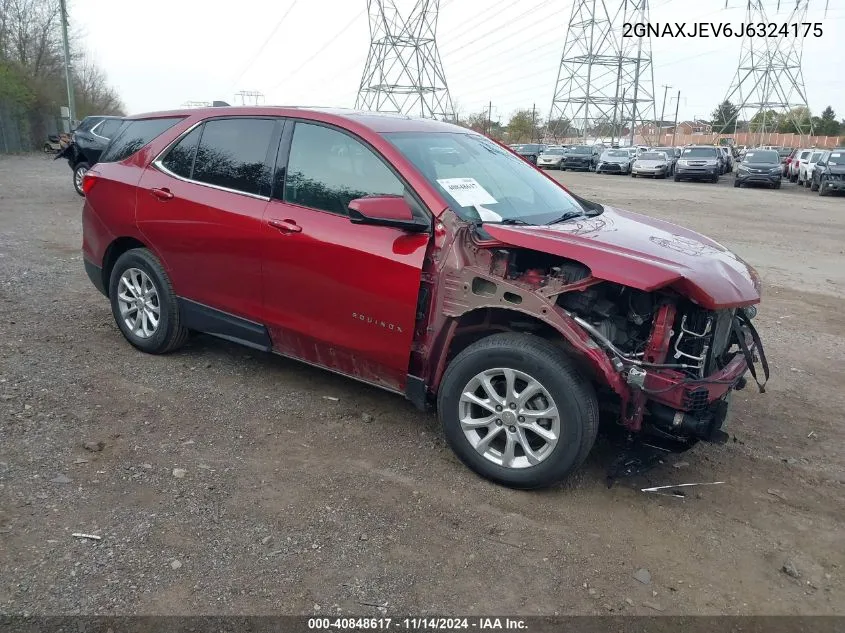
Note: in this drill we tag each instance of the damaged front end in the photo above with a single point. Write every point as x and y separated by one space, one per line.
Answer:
665 349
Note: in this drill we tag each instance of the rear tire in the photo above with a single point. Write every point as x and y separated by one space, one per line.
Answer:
78 174
531 363
139 284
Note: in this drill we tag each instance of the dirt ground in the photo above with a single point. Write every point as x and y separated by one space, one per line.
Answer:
294 503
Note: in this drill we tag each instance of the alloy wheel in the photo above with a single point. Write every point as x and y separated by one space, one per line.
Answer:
509 418
139 303
78 175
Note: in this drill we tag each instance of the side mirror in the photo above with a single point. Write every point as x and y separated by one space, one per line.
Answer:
391 211
821 163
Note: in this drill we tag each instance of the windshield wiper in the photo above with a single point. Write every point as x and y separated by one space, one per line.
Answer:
512 221
569 215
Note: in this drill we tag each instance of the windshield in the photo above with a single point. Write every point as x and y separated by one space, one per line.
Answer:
482 181
762 156
616 153
653 156
815 157
555 151
700 152
580 149
666 150
836 158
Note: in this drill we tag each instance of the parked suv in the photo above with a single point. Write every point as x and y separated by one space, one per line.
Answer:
425 259
759 167
530 152
88 141
829 174
582 157
699 163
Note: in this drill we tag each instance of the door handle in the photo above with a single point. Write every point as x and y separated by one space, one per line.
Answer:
162 194
285 226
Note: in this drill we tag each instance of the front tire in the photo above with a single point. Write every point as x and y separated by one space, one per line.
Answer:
823 190
517 412
144 305
78 174
813 185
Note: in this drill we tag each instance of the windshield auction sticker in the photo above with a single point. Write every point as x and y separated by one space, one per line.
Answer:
466 191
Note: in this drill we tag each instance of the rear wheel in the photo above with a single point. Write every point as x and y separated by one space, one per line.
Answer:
78 174
143 303
516 411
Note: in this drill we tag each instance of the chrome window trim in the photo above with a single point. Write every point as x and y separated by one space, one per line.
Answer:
94 130
156 162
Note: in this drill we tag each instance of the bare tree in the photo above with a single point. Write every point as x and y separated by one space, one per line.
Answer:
93 94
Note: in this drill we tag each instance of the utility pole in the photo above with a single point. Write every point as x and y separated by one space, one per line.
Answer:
662 112
489 118
675 127
533 116
71 106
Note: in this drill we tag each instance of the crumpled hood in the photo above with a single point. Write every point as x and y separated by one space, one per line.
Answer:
644 253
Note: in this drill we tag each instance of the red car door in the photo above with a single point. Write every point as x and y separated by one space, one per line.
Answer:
337 294
201 206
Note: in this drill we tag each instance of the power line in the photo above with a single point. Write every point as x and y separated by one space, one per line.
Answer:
264 44
475 25
496 29
322 48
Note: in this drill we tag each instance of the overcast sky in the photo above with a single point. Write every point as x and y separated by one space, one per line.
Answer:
166 52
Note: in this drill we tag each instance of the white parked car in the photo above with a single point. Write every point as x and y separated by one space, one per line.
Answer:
805 171
801 158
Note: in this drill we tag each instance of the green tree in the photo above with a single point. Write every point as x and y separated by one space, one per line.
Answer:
724 116
523 127
827 125
560 128
796 121
764 121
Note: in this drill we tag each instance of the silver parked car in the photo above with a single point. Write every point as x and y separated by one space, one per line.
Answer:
654 164
615 161
551 158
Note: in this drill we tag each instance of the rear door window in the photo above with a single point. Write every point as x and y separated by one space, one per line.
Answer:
232 154
180 159
134 135
327 169
108 128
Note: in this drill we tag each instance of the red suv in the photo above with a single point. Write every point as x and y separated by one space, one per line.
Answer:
430 261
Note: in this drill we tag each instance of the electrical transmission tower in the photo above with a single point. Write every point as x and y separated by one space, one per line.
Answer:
605 81
403 71
769 76
250 97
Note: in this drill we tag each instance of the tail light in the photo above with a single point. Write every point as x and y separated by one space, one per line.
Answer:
89 180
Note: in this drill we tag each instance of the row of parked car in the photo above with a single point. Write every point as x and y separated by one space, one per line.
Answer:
816 169
705 162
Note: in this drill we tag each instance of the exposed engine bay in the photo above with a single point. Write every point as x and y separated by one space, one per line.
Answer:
680 361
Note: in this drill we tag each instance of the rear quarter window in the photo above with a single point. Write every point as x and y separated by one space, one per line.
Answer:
134 135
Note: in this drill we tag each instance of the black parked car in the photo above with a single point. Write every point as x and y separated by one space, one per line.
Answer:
760 166
87 143
530 151
584 157
829 174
